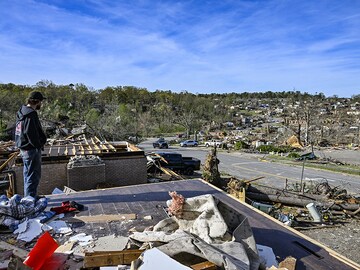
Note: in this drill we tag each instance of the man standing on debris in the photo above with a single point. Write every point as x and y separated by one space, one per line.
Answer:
30 139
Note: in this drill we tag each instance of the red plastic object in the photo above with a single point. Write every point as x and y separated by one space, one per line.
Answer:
43 249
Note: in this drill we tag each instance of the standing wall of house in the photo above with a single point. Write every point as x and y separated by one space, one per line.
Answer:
52 175
121 171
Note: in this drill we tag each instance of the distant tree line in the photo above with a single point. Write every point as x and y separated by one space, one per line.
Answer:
115 113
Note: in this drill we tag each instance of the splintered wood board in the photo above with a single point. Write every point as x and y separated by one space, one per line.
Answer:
101 218
110 258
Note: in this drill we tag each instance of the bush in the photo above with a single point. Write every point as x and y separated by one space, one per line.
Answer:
293 155
241 145
273 148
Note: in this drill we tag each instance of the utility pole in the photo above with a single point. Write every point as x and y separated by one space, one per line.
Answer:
302 176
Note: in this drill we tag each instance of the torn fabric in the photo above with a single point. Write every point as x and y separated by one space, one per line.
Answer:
203 232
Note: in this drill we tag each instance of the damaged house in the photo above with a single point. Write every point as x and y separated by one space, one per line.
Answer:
182 224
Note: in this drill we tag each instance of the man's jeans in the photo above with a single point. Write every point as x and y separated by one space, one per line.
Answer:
32 171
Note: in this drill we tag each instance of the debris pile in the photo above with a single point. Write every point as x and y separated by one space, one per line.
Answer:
211 172
203 235
6 148
157 172
81 161
300 203
195 235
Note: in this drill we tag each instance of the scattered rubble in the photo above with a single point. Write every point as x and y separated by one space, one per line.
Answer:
211 172
313 202
195 226
80 161
157 172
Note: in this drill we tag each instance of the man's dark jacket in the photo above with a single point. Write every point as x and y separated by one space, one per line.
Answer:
28 132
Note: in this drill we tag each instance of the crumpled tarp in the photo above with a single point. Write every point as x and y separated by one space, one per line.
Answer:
202 231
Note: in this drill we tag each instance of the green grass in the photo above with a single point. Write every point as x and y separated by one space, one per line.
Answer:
348 169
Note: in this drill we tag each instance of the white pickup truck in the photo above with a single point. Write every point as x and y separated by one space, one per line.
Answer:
213 143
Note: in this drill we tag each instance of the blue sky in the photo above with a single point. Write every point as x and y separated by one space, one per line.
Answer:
199 46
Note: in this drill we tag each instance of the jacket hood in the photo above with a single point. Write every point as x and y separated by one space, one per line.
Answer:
24 110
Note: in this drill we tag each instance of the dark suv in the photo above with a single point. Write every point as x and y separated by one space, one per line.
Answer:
161 143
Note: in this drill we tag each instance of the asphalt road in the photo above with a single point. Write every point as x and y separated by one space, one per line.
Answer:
249 166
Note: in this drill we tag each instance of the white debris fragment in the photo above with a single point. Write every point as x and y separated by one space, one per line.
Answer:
28 230
59 226
22 227
153 258
110 242
82 239
148 217
267 255
57 191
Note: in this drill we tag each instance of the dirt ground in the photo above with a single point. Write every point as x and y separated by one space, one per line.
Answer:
345 240
343 155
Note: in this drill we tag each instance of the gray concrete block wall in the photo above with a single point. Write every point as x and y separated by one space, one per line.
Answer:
85 177
52 175
118 172
126 171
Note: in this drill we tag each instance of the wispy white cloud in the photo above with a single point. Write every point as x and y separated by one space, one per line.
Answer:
216 46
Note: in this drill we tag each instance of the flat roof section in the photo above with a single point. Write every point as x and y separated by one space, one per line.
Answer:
150 199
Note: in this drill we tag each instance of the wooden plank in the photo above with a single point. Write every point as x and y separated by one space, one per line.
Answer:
103 147
22 254
86 141
9 160
96 147
73 150
110 258
92 140
90 150
49 151
204 266
97 140
110 146
61 150
101 218
65 248
82 150
132 147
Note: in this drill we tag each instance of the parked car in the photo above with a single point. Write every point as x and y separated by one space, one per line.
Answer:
161 143
177 162
189 143
213 143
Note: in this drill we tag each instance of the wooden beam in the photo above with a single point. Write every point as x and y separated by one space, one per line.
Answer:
97 140
110 146
204 266
73 150
101 218
22 254
82 150
103 147
10 159
110 258
97 148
